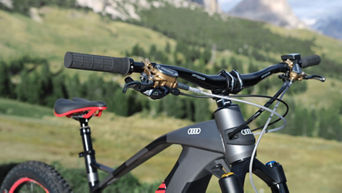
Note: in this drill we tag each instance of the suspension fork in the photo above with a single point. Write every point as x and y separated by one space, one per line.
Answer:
272 174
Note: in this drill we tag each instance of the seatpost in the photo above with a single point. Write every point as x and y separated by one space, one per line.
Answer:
89 155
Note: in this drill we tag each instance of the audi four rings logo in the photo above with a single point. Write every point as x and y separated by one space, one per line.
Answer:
194 131
246 132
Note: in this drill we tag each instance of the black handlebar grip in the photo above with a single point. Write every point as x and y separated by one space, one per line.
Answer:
97 63
310 61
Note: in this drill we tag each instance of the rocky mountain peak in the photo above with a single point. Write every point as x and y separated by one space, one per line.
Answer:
330 26
128 9
277 12
7 3
211 6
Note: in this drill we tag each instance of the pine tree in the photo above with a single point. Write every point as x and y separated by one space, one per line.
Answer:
94 86
46 86
167 48
153 51
120 103
202 112
59 90
21 90
109 97
33 88
5 82
206 55
224 65
174 106
74 86
330 125
138 51
233 63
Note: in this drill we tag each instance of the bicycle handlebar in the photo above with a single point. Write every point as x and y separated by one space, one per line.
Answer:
213 82
126 66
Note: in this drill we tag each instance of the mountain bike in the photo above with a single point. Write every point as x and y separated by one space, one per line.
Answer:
224 147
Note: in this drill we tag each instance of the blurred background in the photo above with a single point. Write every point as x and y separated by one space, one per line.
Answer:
204 35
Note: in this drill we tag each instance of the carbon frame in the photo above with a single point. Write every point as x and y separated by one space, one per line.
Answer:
206 152
199 152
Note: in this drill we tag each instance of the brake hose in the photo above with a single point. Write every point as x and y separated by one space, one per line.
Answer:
250 96
263 131
199 91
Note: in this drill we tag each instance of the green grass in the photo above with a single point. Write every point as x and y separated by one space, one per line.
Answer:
322 95
64 30
311 165
17 108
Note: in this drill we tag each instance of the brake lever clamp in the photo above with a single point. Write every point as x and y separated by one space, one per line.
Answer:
161 76
294 63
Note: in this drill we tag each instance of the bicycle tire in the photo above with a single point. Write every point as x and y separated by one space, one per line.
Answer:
39 176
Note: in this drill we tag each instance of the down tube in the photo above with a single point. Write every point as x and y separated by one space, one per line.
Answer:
192 172
202 147
209 139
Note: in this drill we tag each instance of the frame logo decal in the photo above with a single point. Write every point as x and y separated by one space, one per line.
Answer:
194 131
246 131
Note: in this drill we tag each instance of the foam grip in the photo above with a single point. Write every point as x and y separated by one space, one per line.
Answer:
310 61
97 63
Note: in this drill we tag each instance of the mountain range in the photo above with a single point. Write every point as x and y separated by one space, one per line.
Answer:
275 12
210 5
330 26
280 13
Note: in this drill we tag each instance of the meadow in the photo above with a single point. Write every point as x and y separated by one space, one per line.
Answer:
38 135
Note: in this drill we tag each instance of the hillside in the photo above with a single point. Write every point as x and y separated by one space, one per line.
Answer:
241 36
177 34
61 30
50 139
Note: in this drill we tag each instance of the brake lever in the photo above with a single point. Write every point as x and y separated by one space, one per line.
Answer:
136 85
315 77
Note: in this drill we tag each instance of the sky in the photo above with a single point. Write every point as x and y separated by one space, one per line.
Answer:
308 11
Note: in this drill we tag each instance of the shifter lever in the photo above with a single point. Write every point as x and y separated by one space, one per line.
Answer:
315 77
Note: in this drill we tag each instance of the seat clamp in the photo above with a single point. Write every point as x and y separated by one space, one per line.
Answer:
84 153
85 130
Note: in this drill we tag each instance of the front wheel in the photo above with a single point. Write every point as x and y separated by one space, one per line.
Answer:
34 177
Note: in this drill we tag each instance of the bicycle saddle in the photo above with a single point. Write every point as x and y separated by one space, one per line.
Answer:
79 107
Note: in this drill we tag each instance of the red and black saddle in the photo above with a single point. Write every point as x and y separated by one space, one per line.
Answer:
79 107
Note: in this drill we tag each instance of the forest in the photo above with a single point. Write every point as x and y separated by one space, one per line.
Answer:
24 74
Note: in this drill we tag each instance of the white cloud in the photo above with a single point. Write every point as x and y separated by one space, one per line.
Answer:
315 8
227 5
309 21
